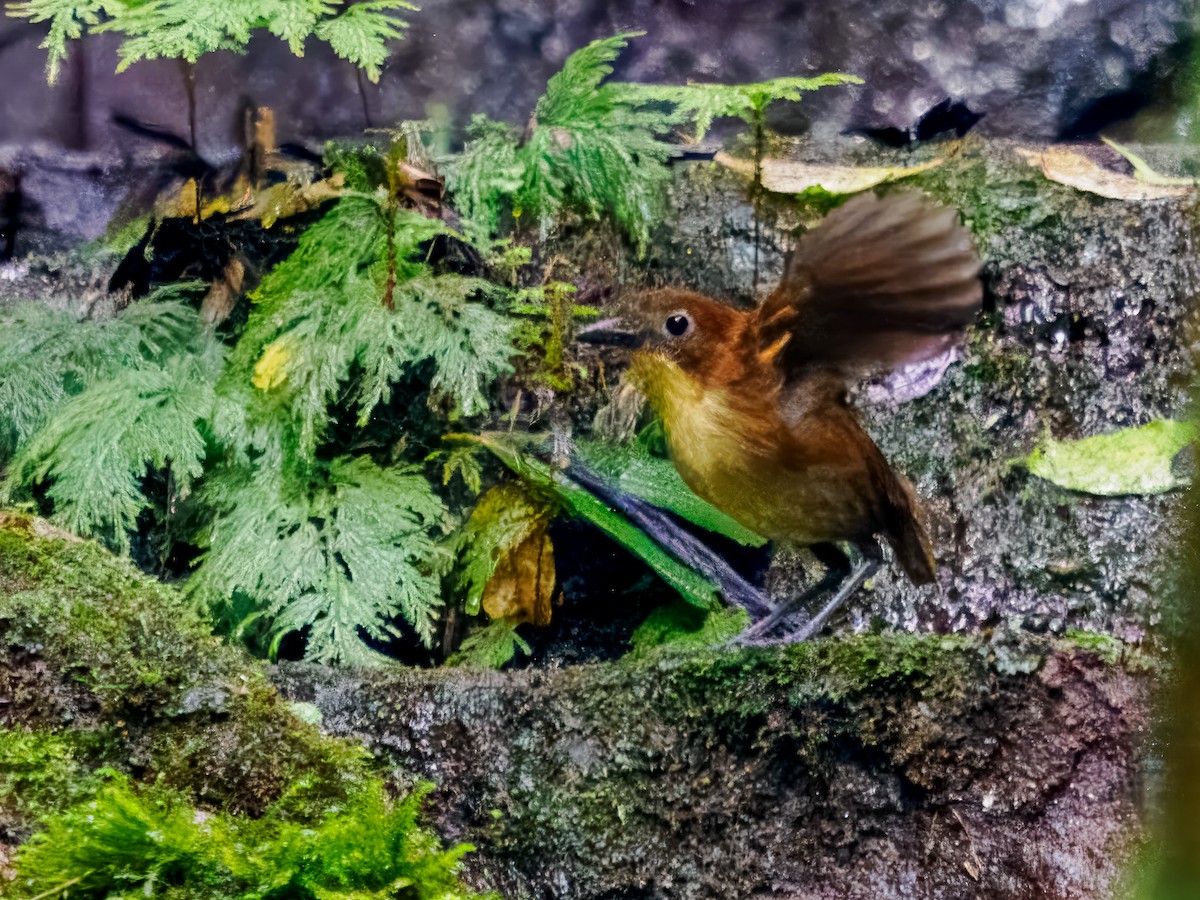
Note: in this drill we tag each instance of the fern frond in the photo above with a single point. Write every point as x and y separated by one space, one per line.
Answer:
189 29
469 343
95 451
69 20
344 554
359 34
294 21
702 104
486 174
594 150
48 356
596 147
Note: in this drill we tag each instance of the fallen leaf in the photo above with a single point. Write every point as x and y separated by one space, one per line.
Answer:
288 198
508 557
785 176
1070 166
1142 171
222 295
522 586
1129 461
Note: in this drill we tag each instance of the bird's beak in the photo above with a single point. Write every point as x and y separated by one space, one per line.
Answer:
614 332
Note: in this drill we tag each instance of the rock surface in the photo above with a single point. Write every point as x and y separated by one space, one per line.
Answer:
860 768
877 766
1034 68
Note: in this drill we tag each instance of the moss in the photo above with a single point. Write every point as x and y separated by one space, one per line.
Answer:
151 841
40 773
795 708
146 688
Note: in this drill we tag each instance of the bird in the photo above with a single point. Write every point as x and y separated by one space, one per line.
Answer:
755 402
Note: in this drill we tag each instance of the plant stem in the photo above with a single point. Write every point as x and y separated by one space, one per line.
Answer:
189 84
362 96
62 887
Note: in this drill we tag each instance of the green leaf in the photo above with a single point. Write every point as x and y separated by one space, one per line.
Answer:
692 586
1142 171
681 627
656 480
1129 461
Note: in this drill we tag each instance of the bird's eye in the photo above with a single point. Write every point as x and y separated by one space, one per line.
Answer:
677 324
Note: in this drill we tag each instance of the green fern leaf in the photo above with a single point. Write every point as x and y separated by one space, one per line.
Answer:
340 556
361 32
95 451
69 20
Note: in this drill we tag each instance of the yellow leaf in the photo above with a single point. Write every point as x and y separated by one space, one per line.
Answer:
1071 166
271 369
785 176
522 586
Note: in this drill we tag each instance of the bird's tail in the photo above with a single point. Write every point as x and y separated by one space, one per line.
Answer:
904 529
914 551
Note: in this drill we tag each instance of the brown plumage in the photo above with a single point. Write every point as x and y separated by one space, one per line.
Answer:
754 402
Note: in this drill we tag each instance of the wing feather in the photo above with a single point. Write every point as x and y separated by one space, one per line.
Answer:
881 282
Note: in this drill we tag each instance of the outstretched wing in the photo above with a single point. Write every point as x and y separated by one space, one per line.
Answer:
881 282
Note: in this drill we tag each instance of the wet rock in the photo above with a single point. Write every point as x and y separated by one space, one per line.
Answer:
864 767
1033 68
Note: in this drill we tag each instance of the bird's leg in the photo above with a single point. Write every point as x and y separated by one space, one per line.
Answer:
867 566
851 578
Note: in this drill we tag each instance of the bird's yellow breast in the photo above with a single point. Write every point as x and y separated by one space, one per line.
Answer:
729 455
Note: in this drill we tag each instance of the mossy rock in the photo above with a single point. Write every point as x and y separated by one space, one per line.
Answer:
850 767
865 766
103 667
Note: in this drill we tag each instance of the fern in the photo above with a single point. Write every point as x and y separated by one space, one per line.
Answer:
701 104
491 647
49 356
489 170
189 29
360 34
594 149
320 323
349 550
95 451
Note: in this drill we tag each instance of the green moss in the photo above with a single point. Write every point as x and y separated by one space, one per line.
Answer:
150 841
719 720
147 688
40 772
1000 195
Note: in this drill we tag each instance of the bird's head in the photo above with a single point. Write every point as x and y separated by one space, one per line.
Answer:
675 329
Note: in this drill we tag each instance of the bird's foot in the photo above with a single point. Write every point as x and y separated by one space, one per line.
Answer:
768 631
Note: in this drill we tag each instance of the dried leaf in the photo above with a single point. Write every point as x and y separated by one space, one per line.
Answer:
785 176
522 586
288 198
1070 166
1129 461
222 295
271 369
508 560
